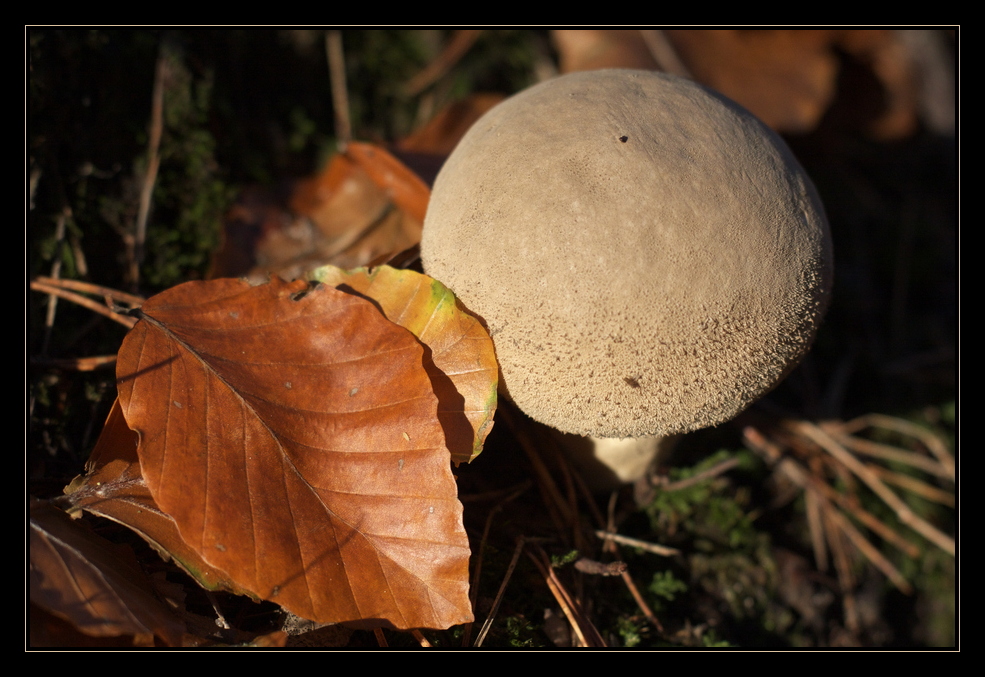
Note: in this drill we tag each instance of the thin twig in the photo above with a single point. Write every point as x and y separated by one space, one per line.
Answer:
421 639
476 575
819 490
851 506
456 48
153 160
766 448
804 479
499 595
714 471
76 364
380 637
846 577
630 584
56 267
610 546
577 534
340 92
98 290
815 524
587 634
557 507
870 551
220 619
662 550
125 320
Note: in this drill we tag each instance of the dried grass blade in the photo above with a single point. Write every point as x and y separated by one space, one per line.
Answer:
903 511
871 552
916 486
815 524
890 453
929 439
803 479
636 543
587 634
499 595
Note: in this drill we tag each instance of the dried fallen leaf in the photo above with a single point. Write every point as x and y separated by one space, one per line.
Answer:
786 78
790 79
293 437
462 362
114 488
82 578
403 186
365 203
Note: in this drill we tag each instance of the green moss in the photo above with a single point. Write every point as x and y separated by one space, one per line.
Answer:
558 561
666 586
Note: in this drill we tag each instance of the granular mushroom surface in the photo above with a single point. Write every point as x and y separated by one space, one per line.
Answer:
649 258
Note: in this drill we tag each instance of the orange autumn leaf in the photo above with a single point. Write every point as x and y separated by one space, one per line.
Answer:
404 186
292 435
113 487
462 360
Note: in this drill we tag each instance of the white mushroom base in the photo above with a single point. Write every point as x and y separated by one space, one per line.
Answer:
607 463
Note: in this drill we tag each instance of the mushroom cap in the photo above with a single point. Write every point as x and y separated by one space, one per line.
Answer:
649 258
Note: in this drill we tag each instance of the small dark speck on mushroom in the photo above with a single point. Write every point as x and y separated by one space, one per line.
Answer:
624 139
631 382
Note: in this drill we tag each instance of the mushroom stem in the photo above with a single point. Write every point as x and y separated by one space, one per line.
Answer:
609 462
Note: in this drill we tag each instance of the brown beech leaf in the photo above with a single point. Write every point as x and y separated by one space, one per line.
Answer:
403 186
92 583
791 79
292 434
787 78
461 360
363 204
114 488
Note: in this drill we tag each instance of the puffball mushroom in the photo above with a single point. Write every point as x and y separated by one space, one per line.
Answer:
649 258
